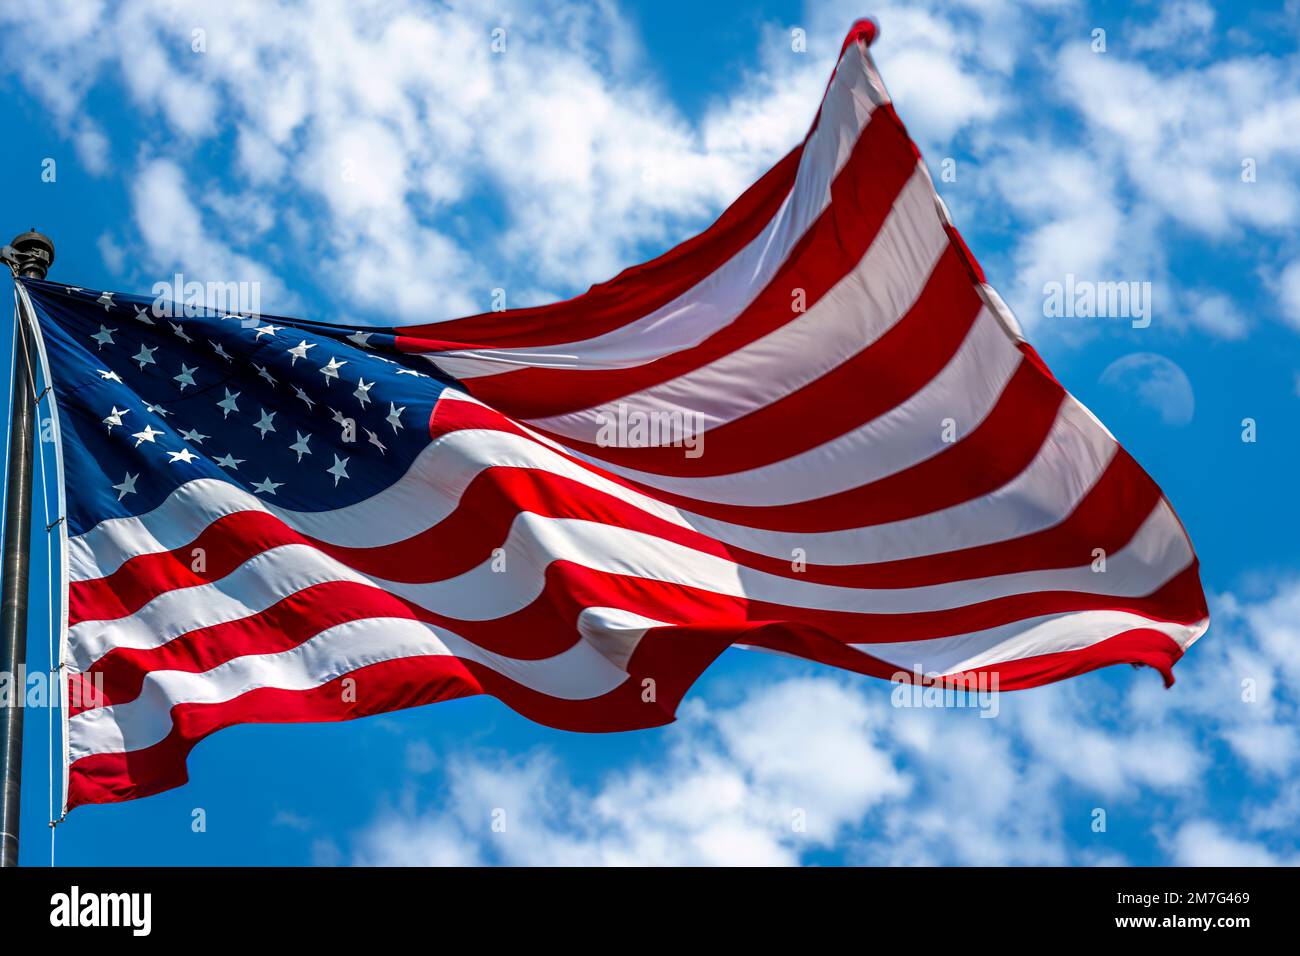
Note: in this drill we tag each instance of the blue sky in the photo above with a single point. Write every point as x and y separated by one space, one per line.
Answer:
378 162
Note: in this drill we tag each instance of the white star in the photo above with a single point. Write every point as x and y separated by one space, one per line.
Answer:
104 337
267 330
186 377
374 440
268 486
331 370
362 393
263 373
109 376
395 416
339 469
263 424
300 446
305 398
299 351
157 410
179 331
361 338
143 316
227 404
145 355
216 347
127 486
106 300
115 417
184 455
226 461
193 435
338 417
149 434
411 371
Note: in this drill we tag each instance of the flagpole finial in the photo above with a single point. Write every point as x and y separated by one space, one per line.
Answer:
29 255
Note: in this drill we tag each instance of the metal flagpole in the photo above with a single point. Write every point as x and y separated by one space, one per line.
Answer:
31 254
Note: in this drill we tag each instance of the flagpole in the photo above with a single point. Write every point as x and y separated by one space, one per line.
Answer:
30 255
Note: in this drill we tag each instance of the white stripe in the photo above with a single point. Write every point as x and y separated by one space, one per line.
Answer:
1155 554
1029 638
854 313
579 673
715 302
1071 460
614 631
964 392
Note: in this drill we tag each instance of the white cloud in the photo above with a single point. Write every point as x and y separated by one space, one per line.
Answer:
1253 702
1074 221
1181 136
1185 25
111 252
1087 741
1214 313
177 236
379 127
92 146
1204 843
1287 288
935 75
387 120
977 798
394 113
744 786
1151 155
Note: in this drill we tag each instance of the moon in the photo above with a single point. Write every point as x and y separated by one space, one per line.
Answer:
1156 382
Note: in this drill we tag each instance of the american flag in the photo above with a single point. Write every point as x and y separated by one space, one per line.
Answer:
813 429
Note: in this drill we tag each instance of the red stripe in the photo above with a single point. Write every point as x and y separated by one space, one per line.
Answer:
1138 646
862 196
638 290
544 628
634 292
898 365
993 453
670 659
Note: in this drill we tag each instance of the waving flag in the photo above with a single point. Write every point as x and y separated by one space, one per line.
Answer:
812 429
